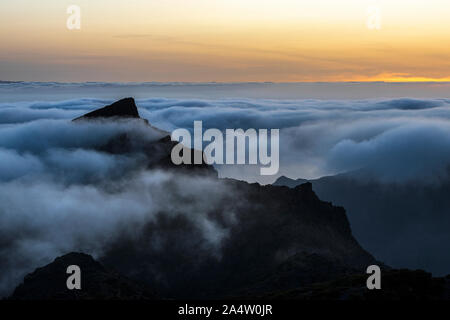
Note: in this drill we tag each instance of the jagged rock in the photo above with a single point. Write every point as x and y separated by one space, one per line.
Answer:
97 282
271 225
157 152
125 108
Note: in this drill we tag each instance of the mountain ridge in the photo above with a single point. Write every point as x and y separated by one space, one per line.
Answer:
267 228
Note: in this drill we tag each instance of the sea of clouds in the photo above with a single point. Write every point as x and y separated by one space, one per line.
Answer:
396 140
399 140
58 193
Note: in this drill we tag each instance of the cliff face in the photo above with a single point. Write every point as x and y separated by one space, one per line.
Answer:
272 228
270 237
405 225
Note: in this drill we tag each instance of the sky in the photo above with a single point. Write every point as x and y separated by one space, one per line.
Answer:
226 41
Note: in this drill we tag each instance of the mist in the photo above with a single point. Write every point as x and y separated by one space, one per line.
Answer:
393 140
59 192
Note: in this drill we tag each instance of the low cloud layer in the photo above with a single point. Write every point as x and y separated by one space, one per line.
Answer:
397 140
59 193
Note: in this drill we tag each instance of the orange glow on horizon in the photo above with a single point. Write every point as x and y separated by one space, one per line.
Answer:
226 41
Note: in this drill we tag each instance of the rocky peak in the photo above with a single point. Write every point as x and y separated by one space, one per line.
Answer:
125 108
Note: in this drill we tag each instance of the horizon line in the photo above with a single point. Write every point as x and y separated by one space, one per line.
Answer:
228 82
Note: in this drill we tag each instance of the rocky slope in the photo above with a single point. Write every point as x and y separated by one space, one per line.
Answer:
97 282
407 285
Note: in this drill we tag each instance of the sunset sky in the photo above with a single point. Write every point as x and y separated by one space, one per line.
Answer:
225 40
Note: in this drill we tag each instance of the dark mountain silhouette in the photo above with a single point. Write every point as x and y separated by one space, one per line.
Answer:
157 152
276 238
273 225
404 225
396 285
97 282
125 108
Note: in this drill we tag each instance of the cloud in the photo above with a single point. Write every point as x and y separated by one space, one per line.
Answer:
14 165
327 137
317 138
412 152
41 219
59 193
40 135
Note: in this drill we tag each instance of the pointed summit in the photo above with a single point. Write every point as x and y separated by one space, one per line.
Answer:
125 108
